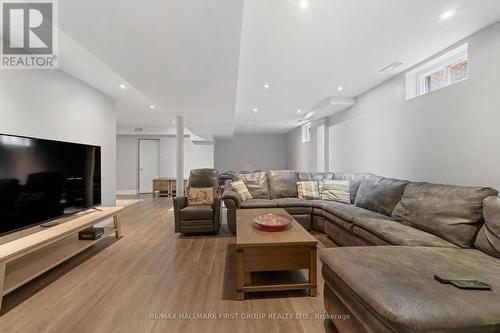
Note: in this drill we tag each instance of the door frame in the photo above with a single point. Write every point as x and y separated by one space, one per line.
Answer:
139 161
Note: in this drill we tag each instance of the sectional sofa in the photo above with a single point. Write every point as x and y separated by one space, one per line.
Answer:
394 235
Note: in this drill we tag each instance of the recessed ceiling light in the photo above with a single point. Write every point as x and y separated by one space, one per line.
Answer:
255 110
299 110
267 86
122 86
250 122
340 88
303 4
151 107
447 14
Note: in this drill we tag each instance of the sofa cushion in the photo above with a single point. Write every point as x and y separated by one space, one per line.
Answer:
335 190
282 183
292 202
256 183
396 285
317 176
317 203
196 213
348 212
454 213
299 210
488 239
381 195
308 190
388 232
355 180
258 203
240 187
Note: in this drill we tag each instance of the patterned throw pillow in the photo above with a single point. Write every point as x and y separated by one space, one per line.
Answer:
240 187
335 190
198 196
308 190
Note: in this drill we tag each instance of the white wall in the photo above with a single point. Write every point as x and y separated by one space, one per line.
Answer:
51 104
449 136
302 156
250 152
196 155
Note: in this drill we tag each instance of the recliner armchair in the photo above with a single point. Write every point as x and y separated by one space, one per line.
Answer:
198 219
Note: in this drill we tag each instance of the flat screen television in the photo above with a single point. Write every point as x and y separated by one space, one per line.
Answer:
42 180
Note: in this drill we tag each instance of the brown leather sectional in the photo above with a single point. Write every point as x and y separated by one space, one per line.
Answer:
394 236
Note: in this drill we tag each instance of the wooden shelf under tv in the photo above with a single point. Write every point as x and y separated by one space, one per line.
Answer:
25 258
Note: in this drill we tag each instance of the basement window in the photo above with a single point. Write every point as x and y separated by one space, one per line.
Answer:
447 69
306 133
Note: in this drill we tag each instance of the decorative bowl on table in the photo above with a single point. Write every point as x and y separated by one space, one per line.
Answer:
272 222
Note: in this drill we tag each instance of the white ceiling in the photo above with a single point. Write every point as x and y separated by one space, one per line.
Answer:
209 59
182 54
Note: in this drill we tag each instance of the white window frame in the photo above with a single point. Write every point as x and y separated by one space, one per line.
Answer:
306 133
416 80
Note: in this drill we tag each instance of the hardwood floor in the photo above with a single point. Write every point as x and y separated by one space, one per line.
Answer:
145 281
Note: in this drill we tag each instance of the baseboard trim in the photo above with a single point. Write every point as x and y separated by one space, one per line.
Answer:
127 192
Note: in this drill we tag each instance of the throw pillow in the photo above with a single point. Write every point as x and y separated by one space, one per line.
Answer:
488 239
308 190
198 196
240 187
256 183
335 190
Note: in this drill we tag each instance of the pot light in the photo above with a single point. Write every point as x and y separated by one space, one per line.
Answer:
255 110
299 110
123 87
303 4
447 14
250 123
340 88
267 86
151 107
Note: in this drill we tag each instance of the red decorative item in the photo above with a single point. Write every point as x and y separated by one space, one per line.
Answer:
272 222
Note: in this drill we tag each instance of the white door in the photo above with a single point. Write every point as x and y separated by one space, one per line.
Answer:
148 164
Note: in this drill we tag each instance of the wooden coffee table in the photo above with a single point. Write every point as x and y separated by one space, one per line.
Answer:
258 251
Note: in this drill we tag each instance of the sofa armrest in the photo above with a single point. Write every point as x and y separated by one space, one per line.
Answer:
217 213
232 199
179 203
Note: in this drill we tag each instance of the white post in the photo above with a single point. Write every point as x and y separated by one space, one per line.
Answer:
180 155
327 145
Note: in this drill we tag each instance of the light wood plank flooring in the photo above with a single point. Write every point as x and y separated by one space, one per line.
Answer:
120 286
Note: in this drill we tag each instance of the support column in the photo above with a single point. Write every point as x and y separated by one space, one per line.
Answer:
327 145
180 155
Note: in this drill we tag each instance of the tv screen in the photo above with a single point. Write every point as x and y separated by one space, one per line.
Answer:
41 180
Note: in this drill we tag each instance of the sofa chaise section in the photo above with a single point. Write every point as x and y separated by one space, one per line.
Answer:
392 289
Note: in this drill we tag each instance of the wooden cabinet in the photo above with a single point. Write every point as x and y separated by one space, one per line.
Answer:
166 187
